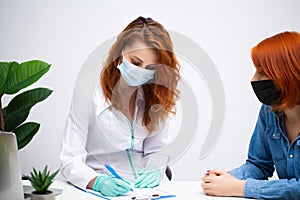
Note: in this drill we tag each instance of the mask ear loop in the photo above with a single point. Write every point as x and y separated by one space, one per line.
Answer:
123 57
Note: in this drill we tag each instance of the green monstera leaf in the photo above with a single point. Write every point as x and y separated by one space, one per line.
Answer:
13 78
4 68
22 75
18 109
25 133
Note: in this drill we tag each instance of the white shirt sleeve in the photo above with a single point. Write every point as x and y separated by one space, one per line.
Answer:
73 152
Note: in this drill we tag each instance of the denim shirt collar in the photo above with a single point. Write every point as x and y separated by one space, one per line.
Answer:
279 114
279 124
280 120
298 142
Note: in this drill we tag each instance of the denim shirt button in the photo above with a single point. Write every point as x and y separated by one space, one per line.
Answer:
275 136
291 156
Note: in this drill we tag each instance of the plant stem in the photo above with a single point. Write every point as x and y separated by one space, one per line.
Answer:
1 114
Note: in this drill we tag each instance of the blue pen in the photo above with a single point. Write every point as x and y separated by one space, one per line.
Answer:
109 168
153 197
165 196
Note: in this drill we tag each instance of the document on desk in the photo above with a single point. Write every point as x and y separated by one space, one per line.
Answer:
137 192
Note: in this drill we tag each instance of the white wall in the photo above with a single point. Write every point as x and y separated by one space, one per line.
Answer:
64 33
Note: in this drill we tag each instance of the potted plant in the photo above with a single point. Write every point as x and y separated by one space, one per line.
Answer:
40 181
13 78
5 181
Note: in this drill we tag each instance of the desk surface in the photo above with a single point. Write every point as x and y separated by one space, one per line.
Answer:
183 191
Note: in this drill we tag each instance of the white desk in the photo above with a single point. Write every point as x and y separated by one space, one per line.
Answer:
182 190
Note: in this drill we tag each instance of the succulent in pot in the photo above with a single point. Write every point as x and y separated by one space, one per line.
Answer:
40 181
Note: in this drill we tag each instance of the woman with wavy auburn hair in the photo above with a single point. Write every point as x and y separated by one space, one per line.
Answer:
140 35
127 124
275 142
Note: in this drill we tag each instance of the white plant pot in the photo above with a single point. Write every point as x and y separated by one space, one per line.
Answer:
49 196
5 177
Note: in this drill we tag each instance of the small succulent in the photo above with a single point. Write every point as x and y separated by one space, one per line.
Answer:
41 180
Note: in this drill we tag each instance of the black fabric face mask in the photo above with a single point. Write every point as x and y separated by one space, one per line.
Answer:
266 92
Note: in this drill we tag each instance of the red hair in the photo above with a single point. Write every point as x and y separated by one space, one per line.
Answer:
278 58
164 94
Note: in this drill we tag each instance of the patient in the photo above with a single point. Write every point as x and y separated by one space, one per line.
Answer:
276 140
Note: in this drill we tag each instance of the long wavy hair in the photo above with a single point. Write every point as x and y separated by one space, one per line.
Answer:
278 57
161 93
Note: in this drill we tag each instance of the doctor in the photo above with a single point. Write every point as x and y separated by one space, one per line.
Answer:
125 123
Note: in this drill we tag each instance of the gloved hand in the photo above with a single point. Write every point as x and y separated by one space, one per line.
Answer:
110 186
149 177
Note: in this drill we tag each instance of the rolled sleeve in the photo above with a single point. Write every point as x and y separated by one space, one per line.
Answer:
272 189
252 188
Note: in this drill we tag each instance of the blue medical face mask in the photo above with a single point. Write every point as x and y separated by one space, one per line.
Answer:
134 75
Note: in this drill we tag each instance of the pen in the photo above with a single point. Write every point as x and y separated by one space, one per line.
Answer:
165 196
109 168
92 193
153 197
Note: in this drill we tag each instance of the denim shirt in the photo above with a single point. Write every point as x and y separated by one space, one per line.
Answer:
269 147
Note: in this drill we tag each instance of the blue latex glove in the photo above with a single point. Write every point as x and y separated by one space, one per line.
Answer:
110 186
149 177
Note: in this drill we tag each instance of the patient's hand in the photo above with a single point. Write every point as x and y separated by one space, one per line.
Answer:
221 183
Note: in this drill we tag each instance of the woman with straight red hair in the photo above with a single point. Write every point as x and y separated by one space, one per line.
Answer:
275 143
125 124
